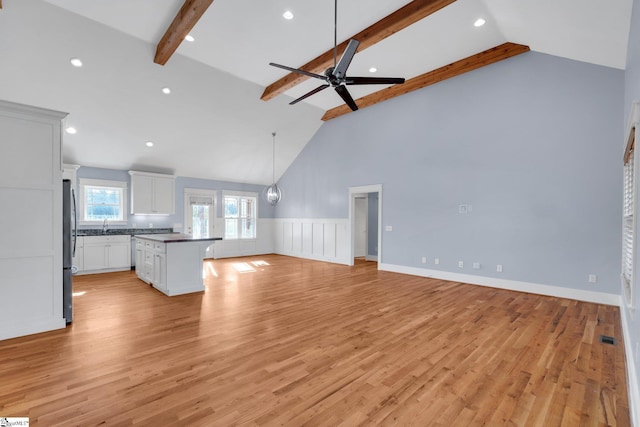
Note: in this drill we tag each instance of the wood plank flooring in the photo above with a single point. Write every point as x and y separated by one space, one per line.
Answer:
294 342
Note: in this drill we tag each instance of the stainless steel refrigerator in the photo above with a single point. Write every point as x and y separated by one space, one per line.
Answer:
69 231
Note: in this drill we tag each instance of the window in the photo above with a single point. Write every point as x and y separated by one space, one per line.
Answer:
102 200
240 213
199 212
629 208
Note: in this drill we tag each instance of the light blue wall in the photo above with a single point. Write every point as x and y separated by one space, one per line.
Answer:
632 74
372 226
168 221
531 143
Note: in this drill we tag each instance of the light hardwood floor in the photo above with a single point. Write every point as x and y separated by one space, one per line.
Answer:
296 342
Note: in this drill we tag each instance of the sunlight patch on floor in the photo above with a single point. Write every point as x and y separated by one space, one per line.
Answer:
207 269
243 267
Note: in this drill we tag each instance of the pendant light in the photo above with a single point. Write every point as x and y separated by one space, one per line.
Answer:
272 193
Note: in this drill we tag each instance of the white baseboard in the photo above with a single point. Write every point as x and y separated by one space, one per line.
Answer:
15 330
105 270
513 285
632 374
314 257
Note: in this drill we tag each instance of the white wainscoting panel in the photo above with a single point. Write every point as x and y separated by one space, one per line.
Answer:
263 244
317 239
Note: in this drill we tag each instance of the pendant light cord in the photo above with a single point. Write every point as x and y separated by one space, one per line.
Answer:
274 157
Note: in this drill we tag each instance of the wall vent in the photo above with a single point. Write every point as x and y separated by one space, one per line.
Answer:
607 340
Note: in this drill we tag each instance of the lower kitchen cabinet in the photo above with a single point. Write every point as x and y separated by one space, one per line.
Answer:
151 263
105 253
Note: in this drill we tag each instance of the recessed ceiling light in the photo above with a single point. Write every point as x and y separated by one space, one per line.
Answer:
479 22
149 144
166 90
373 69
287 15
76 62
71 130
189 38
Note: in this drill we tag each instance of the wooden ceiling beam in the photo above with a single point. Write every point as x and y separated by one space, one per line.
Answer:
391 24
462 66
187 18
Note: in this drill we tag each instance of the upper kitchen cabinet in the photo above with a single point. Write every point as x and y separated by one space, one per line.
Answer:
152 193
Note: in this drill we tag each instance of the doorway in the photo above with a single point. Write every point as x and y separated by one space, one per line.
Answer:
360 226
200 214
365 222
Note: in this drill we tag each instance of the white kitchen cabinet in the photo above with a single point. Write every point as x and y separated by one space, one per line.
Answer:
151 265
160 267
152 193
31 219
140 258
173 262
110 253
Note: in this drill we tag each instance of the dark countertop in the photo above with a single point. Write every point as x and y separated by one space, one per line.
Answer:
175 238
122 231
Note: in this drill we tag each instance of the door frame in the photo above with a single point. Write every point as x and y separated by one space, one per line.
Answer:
353 192
199 192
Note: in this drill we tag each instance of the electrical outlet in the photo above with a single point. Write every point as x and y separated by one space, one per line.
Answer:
593 278
460 264
436 261
476 266
424 259
388 228
463 209
499 268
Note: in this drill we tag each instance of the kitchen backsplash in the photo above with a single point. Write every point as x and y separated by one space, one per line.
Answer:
123 231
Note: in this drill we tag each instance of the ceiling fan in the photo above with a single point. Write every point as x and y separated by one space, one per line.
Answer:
336 76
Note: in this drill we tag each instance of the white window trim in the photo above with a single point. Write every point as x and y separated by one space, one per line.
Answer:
224 222
104 183
188 192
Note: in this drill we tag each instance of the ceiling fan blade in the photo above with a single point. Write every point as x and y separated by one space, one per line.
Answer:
341 69
373 80
308 94
295 70
346 96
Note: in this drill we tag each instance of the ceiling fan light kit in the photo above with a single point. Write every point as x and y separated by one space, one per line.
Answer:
336 76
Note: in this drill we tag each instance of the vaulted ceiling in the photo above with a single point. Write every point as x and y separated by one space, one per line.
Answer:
214 124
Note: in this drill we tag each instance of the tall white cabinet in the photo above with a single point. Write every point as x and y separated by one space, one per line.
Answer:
30 220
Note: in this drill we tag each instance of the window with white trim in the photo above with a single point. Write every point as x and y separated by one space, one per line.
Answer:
240 214
102 200
628 212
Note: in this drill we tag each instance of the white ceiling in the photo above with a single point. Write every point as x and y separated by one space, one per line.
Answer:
213 125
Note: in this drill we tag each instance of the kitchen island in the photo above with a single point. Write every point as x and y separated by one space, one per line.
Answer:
172 263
